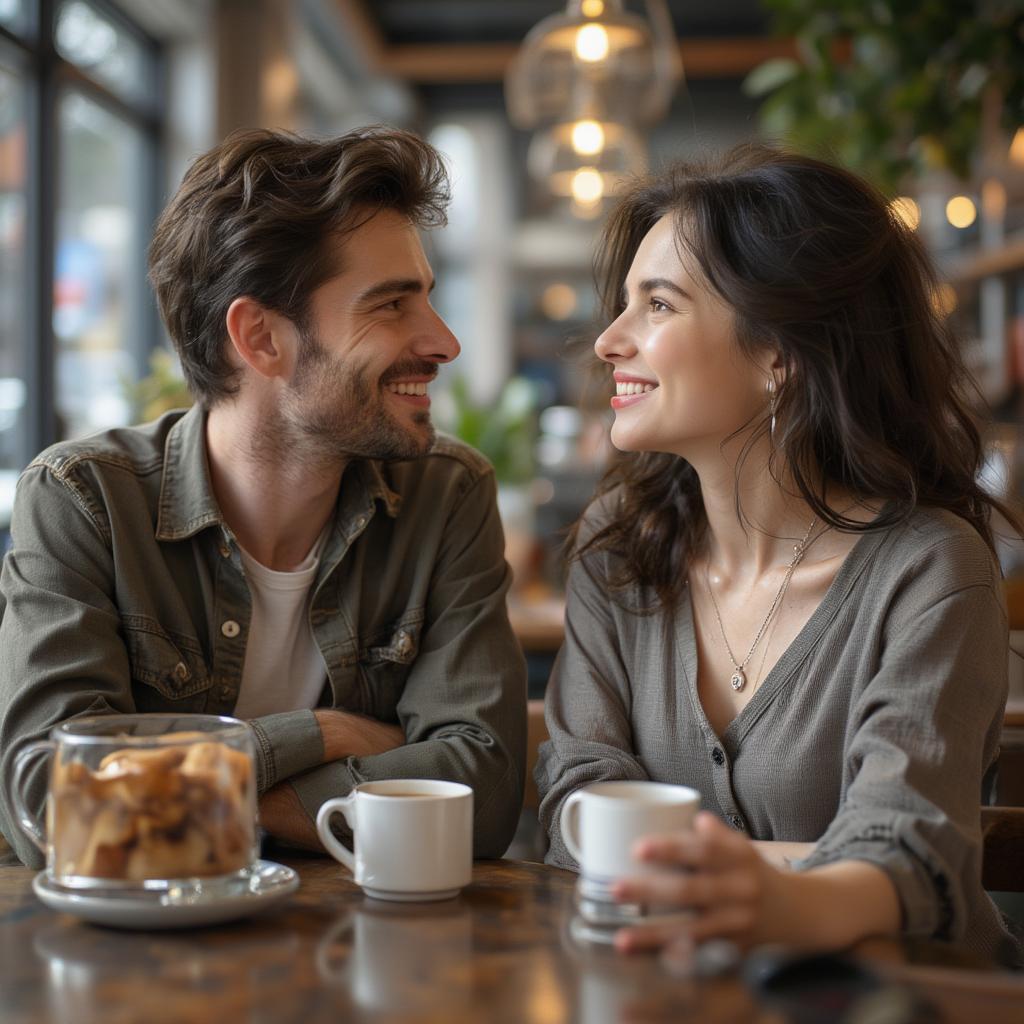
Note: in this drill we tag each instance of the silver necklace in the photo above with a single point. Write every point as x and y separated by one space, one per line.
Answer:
739 679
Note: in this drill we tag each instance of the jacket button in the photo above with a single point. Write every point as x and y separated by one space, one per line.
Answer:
404 643
717 756
181 671
230 629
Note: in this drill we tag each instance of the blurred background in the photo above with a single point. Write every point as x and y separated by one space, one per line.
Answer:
542 108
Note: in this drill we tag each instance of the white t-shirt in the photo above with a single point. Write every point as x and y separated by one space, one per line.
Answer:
283 669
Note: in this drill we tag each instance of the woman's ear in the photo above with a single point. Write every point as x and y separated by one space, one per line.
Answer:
776 368
260 337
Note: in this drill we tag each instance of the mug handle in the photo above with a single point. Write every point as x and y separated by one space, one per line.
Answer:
29 825
325 968
568 821
340 805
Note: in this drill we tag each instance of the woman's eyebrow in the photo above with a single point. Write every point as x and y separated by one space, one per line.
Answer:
653 284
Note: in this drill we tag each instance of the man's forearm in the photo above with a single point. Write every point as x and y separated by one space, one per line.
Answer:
344 735
348 735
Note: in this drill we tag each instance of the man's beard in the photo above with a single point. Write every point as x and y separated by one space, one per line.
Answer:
334 413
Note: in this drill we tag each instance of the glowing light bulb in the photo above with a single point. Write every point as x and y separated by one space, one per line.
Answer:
592 43
587 137
587 185
592 8
961 212
907 210
558 301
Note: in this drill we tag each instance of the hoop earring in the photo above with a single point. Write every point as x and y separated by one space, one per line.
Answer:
773 401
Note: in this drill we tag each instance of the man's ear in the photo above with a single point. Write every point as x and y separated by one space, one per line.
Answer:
260 337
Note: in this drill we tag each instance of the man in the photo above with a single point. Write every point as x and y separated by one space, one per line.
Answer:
298 549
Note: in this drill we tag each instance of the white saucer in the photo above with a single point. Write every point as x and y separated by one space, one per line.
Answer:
245 894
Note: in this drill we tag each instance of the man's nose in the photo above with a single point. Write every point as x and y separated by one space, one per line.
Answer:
437 342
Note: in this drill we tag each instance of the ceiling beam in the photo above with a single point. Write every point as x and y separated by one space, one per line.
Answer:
428 63
420 63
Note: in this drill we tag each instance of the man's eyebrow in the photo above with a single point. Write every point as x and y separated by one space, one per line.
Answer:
397 286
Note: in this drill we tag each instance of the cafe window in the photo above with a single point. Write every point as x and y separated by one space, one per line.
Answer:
79 132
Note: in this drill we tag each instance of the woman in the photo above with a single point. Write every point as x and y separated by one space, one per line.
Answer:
786 596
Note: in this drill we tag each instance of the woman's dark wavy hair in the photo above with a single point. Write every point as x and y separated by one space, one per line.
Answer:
257 216
812 261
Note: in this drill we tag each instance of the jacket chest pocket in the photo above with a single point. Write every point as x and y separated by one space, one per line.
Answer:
385 660
168 670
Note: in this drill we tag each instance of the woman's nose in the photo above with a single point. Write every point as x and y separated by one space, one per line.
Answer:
614 342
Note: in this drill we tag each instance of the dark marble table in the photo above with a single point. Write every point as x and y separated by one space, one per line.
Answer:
500 952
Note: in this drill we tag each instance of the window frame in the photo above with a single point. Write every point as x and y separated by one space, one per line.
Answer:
49 76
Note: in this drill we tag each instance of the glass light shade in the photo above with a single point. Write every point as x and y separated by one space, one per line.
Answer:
588 174
609 62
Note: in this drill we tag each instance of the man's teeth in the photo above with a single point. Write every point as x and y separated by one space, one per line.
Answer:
632 388
401 388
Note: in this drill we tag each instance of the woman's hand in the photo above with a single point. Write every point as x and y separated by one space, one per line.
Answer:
732 890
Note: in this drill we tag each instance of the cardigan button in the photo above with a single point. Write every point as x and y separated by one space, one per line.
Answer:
717 756
736 821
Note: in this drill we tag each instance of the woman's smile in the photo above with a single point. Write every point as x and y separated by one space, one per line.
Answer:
630 390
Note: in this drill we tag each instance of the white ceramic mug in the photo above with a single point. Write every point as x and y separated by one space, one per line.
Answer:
601 822
412 838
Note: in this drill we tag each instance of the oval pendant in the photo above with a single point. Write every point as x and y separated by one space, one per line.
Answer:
739 680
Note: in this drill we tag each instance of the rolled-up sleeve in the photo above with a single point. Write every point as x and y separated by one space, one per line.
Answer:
914 762
463 707
586 706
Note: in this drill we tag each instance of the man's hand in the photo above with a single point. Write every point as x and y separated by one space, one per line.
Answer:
284 817
348 735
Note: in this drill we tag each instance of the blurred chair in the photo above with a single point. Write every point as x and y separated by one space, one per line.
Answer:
529 842
1002 866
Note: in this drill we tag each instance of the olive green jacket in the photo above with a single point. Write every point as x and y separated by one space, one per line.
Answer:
124 591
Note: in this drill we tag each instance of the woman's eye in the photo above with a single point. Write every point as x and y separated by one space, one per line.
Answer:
657 306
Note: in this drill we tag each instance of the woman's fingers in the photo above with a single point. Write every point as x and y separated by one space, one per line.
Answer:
696 889
651 935
709 844
733 922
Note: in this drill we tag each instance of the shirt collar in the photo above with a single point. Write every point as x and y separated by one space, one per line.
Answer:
187 501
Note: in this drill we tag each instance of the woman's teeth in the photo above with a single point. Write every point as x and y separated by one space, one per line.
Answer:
407 389
632 388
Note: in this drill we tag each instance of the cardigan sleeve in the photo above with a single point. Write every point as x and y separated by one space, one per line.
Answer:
587 706
913 759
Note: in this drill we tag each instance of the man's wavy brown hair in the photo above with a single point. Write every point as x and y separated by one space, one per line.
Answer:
876 397
258 215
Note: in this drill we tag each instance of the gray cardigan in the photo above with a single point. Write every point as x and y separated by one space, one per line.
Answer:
869 737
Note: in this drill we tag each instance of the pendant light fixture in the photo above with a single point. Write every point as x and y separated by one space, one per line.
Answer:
587 81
